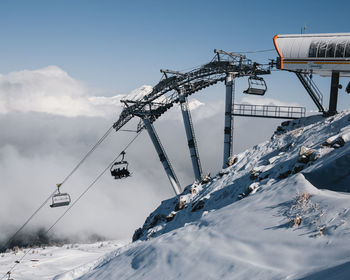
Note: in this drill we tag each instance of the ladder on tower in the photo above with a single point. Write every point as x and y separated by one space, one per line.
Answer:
311 88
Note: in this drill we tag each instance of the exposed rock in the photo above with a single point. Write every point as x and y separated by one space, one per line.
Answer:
150 234
321 230
263 176
180 205
296 222
222 173
206 178
156 219
280 130
251 189
298 167
306 155
193 190
334 142
199 205
254 174
338 143
304 197
285 123
284 174
137 234
171 216
232 160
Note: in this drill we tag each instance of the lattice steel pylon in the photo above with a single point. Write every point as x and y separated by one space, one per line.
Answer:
166 93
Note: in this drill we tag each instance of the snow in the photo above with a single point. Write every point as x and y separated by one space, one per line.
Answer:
54 262
277 213
139 93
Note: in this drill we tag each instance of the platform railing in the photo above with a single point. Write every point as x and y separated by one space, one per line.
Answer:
268 111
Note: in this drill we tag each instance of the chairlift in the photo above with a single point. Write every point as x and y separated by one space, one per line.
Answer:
256 86
60 199
119 169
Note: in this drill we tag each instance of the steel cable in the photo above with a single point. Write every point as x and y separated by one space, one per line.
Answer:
50 196
72 205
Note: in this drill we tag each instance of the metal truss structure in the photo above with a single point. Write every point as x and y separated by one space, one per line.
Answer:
174 87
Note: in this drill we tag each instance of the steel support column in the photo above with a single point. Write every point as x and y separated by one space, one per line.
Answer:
229 82
162 156
191 139
333 98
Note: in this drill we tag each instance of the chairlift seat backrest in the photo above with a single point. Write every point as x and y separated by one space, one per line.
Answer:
256 86
60 199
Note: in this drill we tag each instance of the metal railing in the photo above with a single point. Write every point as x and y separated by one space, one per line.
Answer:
268 111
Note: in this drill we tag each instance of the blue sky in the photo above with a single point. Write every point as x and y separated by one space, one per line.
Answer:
120 45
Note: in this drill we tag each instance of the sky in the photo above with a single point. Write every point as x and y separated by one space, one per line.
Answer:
64 65
121 45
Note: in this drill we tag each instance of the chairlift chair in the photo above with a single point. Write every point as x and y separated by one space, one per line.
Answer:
119 169
256 86
60 199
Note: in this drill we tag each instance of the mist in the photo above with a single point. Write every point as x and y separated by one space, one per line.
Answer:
40 145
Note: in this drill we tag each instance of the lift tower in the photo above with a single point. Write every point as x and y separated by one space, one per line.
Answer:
228 130
191 139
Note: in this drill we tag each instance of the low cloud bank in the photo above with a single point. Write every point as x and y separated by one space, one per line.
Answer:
49 121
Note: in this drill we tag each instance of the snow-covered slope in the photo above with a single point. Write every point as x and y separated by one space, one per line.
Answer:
261 218
277 213
54 262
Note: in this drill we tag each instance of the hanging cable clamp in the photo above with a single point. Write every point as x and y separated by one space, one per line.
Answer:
58 187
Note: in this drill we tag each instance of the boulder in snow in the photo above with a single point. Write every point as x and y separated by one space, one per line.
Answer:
233 160
306 155
171 216
180 205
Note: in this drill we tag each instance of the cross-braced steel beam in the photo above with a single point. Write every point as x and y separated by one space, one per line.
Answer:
162 156
191 139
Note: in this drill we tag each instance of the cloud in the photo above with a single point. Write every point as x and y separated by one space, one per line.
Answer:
51 90
49 120
257 100
139 93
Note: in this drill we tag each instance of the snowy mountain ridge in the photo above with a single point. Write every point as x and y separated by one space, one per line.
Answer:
296 146
278 212
261 218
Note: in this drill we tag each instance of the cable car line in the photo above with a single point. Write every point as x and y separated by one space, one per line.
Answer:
259 51
71 206
26 222
53 193
128 130
88 154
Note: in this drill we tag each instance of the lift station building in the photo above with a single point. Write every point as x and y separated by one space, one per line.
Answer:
327 55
